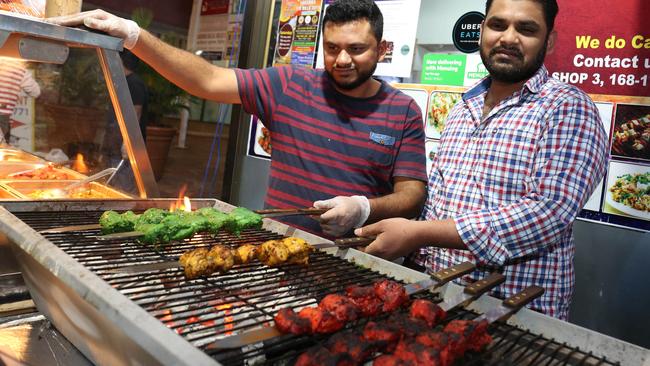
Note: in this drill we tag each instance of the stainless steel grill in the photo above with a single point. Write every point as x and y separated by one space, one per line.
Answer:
246 297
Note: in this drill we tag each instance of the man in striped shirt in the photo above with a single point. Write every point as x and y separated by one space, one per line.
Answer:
14 78
520 155
342 140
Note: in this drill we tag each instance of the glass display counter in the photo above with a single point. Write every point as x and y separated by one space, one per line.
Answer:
83 121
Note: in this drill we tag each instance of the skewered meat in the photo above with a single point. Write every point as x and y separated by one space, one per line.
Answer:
203 262
245 253
382 335
352 344
273 253
222 258
428 311
298 250
113 222
182 225
161 226
473 335
341 307
217 220
196 263
243 218
288 321
335 310
408 326
414 353
321 320
389 360
153 233
289 250
323 357
444 343
392 294
365 299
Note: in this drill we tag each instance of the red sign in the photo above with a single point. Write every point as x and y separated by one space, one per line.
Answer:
603 46
209 7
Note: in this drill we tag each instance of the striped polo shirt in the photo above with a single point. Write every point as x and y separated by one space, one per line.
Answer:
11 76
326 144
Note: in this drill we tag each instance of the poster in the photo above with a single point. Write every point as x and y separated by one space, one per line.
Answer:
455 69
400 28
610 60
22 124
297 33
259 140
211 7
609 56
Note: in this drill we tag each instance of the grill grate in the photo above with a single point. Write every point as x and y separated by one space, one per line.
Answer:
206 309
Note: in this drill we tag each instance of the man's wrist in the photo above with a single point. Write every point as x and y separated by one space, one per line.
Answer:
132 34
364 210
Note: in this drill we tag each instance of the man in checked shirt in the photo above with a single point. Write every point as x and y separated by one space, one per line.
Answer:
519 157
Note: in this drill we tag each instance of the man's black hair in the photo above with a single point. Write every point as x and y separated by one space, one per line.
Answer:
345 11
549 7
129 60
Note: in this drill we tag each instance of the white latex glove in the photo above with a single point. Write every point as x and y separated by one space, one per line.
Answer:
344 214
98 19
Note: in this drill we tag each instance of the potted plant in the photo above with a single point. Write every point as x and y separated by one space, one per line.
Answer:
165 99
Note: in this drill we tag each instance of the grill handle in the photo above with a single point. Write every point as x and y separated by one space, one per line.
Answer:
454 272
485 284
524 297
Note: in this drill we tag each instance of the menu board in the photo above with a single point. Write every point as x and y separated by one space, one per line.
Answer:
297 33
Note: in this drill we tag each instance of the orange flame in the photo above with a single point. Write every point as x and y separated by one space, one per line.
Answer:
79 164
228 320
182 203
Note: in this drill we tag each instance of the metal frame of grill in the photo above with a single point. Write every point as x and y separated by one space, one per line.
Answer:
126 318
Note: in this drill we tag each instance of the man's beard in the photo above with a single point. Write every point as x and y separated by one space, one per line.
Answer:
362 78
513 73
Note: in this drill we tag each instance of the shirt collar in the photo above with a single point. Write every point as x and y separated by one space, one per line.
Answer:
534 84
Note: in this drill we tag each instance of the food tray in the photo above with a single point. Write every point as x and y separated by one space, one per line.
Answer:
7 168
6 193
28 188
11 155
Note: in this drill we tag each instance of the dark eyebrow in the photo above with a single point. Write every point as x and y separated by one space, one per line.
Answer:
529 24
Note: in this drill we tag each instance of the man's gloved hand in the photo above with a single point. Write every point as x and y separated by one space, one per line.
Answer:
344 214
98 19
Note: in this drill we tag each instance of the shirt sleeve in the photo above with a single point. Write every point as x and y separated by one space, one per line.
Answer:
410 161
571 158
259 90
29 85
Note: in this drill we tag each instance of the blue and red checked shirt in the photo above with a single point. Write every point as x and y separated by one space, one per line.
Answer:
326 144
514 182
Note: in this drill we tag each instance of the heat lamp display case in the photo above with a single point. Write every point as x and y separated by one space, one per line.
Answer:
82 123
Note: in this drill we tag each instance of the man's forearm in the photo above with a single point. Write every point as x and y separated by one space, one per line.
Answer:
188 71
406 201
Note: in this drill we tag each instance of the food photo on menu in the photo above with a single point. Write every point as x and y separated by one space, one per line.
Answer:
631 132
440 105
628 190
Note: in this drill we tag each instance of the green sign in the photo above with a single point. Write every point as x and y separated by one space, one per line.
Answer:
441 69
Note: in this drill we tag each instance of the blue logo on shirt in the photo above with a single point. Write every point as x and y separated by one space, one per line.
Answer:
382 139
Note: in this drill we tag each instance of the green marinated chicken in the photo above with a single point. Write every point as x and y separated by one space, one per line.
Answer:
243 218
153 233
153 216
114 222
216 219
182 225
